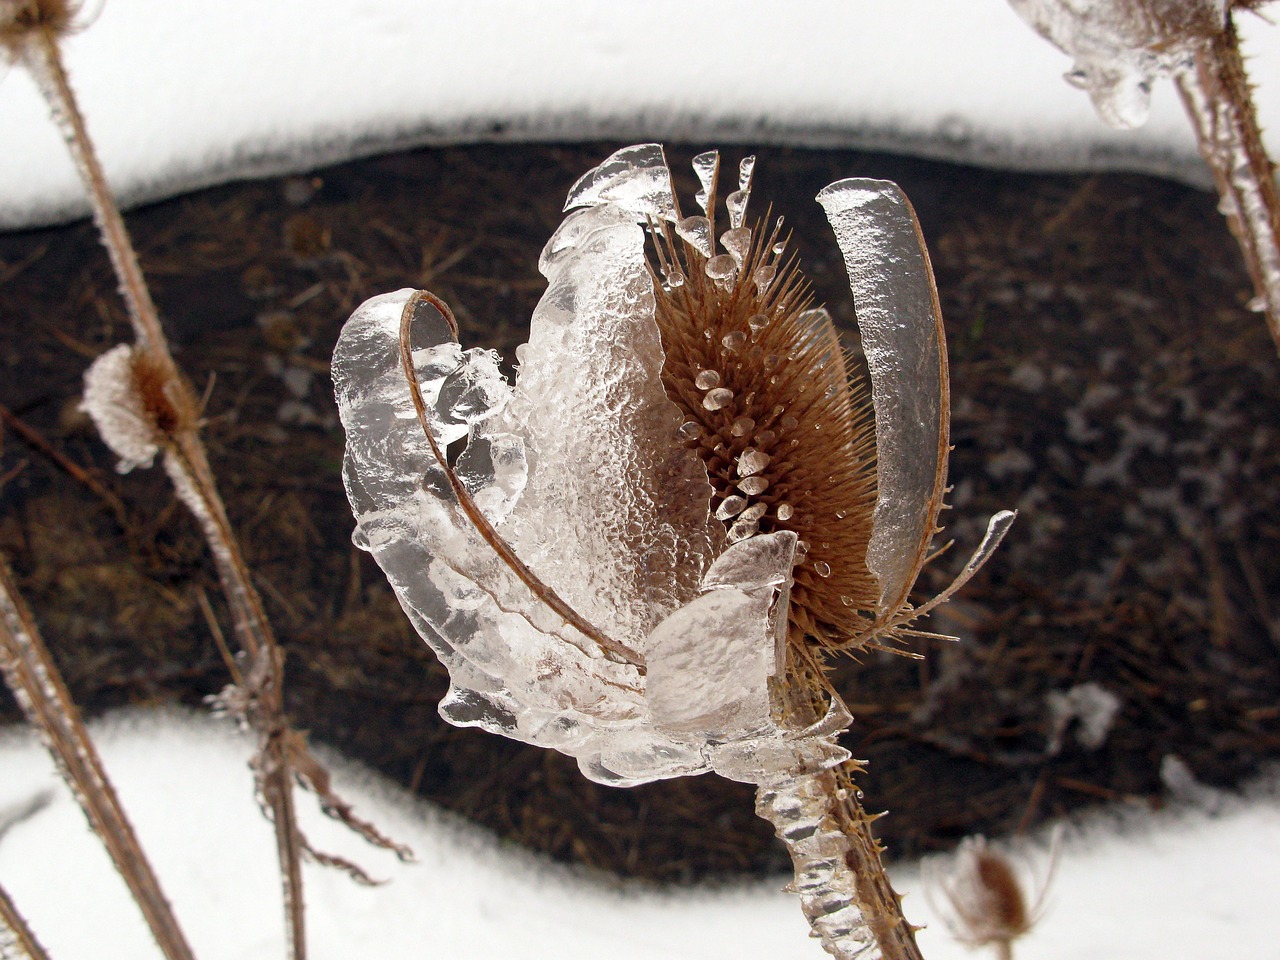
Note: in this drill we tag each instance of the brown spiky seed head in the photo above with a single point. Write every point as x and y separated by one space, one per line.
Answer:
786 435
22 19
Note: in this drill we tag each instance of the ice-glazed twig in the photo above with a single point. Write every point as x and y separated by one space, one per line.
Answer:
41 693
17 940
1121 47
143 405
1216 92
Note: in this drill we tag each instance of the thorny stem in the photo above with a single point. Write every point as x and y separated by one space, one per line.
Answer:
39 689
188 467
16 937
1215 91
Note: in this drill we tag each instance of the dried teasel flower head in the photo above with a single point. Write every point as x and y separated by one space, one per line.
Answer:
627 561
21 20
132 405
984 901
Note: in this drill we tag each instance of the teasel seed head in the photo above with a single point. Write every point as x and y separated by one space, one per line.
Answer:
22 19
769 404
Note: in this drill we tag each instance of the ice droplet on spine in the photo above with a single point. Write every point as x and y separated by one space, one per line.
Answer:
696 231
706 166
635 179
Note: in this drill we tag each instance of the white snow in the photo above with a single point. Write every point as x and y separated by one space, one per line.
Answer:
180 95
1130 885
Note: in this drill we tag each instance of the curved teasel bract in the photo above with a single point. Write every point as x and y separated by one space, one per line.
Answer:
651 536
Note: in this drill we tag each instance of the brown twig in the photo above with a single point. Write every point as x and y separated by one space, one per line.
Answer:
16 937
40 691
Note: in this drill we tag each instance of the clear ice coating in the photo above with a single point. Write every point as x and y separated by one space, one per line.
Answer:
901 328
582 469
1121 47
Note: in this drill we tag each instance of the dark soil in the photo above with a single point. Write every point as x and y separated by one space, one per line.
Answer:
1107 381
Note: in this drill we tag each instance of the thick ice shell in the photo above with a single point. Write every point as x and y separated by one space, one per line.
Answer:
901 328
616 513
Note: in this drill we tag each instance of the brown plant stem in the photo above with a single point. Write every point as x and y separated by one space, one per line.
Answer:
188 467
16 937
1216 93
41 693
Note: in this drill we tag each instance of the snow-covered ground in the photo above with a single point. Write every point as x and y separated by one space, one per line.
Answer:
185 94
181 95
1129 885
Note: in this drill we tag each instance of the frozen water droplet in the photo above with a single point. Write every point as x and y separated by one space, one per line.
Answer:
785 511
734 341
754 512
802 550
743 528
730 506
696 231
753 486
520 352
765 438
789 422
674 279
745 169
706 165
772 362
847 601
841 514
689 430
717 399
742 426
738 243
758 322
780 247
721 269
764 276
706 379
1257 304
822 568
736 202
752 461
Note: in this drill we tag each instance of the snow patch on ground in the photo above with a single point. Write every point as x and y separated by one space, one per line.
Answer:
1130 884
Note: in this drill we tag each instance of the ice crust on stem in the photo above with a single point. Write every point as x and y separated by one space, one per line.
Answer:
582 471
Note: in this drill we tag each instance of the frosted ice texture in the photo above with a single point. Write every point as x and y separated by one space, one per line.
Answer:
900 325
112 401
577 466
1121 47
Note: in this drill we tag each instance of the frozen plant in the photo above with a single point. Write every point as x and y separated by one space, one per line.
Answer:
984 904
1121 47
647 543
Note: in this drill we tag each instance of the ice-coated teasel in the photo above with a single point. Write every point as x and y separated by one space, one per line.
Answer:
650 538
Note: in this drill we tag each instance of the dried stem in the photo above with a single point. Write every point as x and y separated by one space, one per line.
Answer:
39 689
283 755
17 941
1217 95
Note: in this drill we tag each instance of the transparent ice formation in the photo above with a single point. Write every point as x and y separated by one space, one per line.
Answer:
582 470
1121 47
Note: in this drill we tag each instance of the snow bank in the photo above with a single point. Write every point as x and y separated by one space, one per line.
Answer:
182 95
1130 885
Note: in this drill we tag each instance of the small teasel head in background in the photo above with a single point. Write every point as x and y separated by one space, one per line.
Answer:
984 898
21 20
